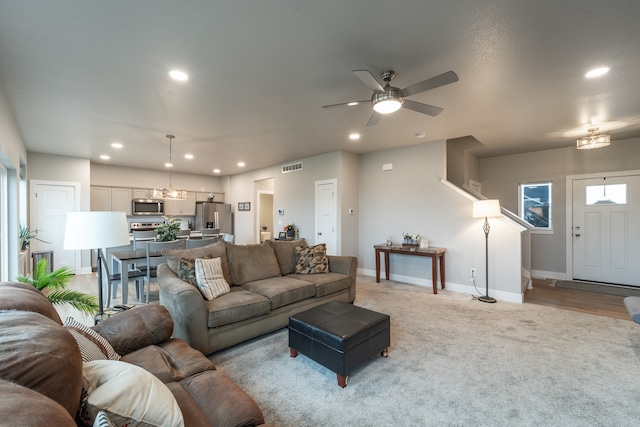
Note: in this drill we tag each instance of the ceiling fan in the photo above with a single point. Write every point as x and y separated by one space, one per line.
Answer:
388 99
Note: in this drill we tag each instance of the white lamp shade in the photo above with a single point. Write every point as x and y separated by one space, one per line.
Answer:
486 209
93 230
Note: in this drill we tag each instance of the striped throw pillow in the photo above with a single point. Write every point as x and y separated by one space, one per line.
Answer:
91 344
210 279
102 420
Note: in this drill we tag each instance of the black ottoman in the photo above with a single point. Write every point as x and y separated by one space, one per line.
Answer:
339 336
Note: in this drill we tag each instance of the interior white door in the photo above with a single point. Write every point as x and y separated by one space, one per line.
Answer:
606 229
52 203
326 215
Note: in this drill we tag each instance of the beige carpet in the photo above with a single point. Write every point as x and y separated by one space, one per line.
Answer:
455 361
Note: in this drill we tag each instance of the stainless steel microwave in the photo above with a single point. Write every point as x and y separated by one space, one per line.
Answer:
147 207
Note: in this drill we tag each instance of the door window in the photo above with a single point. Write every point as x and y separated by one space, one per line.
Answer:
611 194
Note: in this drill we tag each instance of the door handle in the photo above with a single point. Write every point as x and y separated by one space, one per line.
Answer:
319 233
577 234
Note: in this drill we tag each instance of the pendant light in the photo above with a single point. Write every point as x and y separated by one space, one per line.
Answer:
169 193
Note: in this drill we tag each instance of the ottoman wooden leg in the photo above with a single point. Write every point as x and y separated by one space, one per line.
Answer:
385 352
342 381
293 352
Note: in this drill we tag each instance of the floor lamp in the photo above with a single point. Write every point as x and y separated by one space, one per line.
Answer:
486 209
96 230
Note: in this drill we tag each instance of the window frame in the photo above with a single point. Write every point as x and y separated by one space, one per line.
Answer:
521 189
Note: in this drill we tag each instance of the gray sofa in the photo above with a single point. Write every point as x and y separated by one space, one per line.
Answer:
265 291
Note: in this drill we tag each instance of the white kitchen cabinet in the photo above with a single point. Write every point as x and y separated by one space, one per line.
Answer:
203 197
185 207
141 193
121 200
111 199
100 198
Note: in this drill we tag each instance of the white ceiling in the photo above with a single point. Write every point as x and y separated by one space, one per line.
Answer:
81 74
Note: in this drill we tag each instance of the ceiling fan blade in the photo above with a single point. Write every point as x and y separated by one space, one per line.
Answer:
347 104
374 119
432 83
422 108
368 79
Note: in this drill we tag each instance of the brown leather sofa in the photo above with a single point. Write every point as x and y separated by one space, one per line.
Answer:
41 367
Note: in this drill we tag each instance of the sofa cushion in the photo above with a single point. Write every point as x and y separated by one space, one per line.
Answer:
214 250
129 395
26 407
91 344
24 297
286 254
236 409
210 279
312 259
235 306
137 328
327 283
172 360
252 262
282 291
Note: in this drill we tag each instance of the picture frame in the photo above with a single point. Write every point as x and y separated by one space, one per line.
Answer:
240 206
282 235
244 206
280 211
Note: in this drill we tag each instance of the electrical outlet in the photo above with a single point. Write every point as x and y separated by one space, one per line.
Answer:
473 272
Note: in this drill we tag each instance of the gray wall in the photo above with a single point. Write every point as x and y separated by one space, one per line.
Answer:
501 176
411 198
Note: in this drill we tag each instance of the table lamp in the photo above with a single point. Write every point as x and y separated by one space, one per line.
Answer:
96 230
486 209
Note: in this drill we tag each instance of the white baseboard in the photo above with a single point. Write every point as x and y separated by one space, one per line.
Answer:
455 287
556 275
84 270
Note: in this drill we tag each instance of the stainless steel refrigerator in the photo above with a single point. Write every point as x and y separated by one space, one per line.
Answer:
214 215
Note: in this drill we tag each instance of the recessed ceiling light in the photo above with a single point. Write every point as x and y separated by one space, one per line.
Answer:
116 145
216 171
178 75
597 72
354 136
168 165
241 164
420 135
188 156
104 157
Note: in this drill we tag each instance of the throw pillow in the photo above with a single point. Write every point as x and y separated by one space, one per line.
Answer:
92 345
286 253
312 259
187 270
248 263
210 279
129 395
102 420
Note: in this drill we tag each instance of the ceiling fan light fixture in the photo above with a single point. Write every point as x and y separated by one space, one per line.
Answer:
593 140
388 101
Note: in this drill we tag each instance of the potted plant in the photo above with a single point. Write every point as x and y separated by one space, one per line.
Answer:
290 229
25 236
168 231
54 286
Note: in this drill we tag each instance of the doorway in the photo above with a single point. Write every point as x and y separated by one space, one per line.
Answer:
326 215
264 194
50 201
605 228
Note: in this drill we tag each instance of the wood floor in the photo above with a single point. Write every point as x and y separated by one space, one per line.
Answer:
570 299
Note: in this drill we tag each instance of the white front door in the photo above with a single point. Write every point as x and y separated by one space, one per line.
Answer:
50 203
606 229
326 215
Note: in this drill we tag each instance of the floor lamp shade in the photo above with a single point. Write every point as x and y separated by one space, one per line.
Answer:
486 209
96 230
93 230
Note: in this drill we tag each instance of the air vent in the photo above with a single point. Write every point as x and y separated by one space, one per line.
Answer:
292 167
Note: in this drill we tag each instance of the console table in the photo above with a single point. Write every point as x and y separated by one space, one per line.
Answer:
434 253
